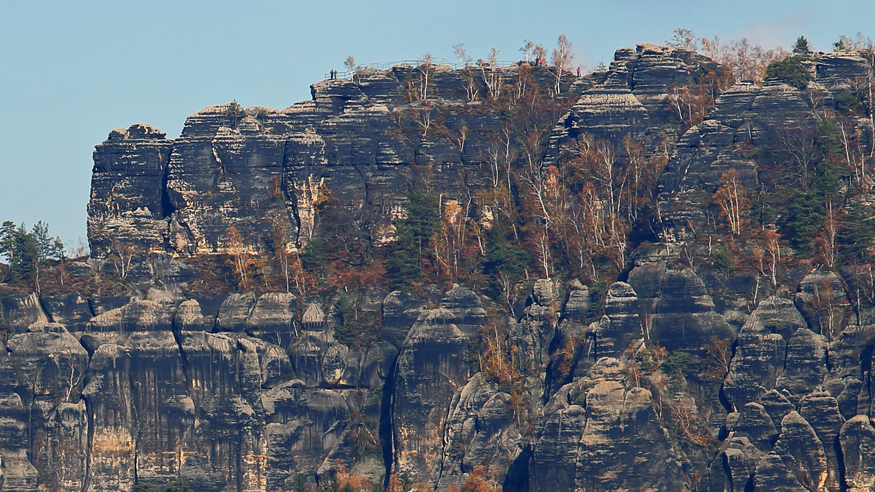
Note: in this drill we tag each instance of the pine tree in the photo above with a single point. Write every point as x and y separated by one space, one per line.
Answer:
854 237
27 252
314 257
413 235
502 257
801 47
805 218
791 71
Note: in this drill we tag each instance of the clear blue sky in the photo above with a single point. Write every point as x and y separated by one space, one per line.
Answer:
72 71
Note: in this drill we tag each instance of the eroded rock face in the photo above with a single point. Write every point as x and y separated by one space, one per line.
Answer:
756 425
678 312
805 364
858 445
429 369
273 318
606 438
744 115
761 350
534 333
400 311
18 311
49 364
236 392
822 413
174 387
733 468
802 452
633 100
847 355
72 311
620 326
129 173
619 425
358 139
480 431
772 474
110 399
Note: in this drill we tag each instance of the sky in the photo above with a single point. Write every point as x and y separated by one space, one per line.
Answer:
70 72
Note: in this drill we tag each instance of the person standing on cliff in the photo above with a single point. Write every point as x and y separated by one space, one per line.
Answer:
578 72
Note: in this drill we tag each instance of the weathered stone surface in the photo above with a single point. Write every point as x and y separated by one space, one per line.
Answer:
773 474
49 360
761 349
235 312
857 439
846 356
777 405
61 445
128 202
224 167
578 302
822 413
620 425
837 70
596 435
755 424
677 311
633 100
400 311
554 454
314 318
230 164
72 311
465 310
306 356
805 364
138 315
109 397
568 350
533 333
189 317
480 431
273 318
429 368
160 397
620 326
733 468
18 472
304 425
18 311
802 452
238 388
102 304
49 365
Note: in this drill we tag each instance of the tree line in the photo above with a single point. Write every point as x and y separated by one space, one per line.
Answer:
28 252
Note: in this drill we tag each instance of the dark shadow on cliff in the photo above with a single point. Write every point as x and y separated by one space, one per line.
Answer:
517 478
385 433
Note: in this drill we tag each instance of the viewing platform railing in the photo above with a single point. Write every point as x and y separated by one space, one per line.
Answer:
346 74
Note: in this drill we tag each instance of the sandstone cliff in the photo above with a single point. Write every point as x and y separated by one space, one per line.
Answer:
689 370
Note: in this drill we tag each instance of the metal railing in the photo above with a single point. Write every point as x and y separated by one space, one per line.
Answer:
347 75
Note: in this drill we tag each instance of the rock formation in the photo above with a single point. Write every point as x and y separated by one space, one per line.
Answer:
698 366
